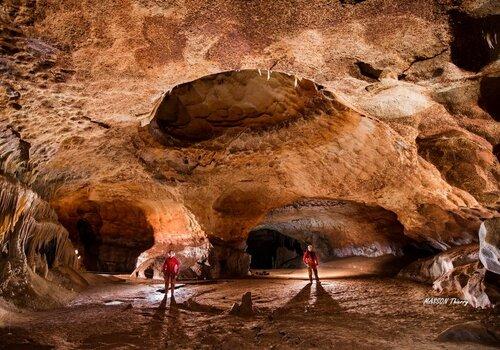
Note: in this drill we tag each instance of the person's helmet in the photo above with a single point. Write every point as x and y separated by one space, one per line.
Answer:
310 247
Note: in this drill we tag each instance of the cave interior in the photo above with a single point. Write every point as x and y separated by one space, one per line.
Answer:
270 249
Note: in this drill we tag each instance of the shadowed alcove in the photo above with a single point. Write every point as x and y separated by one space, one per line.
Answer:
270 249
109 236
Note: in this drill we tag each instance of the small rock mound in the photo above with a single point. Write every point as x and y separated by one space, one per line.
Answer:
244 309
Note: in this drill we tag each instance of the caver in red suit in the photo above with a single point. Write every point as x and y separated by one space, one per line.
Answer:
311 260
171 268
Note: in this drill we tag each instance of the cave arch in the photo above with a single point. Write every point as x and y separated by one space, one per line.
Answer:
338 228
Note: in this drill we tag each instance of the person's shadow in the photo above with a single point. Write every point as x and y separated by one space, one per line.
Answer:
295 304
156 324
170 329
306 302
324 301
302 296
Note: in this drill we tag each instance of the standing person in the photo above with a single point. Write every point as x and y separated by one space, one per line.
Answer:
171 268
311 260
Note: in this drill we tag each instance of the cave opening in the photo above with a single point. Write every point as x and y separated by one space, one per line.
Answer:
46 251
474 43
270 249
110 254
89 243
49 250
149 273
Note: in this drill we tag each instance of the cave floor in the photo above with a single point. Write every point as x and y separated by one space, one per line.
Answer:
344 313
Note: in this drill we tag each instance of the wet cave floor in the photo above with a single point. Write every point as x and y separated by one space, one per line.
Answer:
341 313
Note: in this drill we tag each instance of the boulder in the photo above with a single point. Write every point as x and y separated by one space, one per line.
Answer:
429 270
474 331
489 238
456 272
467 282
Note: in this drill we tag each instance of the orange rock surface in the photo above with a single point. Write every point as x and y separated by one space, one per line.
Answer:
184 123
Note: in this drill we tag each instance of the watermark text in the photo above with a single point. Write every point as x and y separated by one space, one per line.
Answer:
444 301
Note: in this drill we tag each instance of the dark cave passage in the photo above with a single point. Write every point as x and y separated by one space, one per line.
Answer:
41 256
89 243
474 40
49 250
488 97
271 249
110 254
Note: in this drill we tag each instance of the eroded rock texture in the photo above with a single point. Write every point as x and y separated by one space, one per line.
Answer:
32 243
236 101
339 228
459 273
489 247
363 127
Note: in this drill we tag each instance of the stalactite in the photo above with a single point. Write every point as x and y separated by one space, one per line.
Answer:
28 226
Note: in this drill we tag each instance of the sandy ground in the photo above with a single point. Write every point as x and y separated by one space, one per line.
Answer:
341 313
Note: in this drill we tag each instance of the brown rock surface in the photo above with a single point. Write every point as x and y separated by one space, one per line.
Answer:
120 117
473 331
459 273
489 245
245 308
32 241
